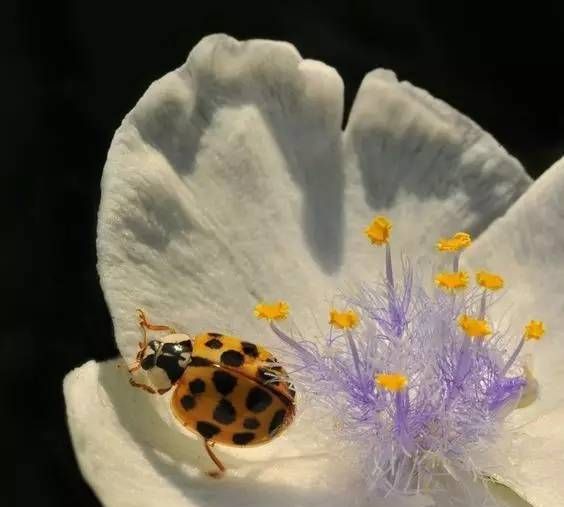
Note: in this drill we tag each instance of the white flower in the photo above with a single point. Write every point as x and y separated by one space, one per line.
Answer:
231 182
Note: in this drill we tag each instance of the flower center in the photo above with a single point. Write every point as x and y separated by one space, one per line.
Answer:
415 375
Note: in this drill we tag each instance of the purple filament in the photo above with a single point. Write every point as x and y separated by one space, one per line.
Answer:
457 389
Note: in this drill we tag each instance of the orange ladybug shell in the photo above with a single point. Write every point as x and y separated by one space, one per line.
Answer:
233 392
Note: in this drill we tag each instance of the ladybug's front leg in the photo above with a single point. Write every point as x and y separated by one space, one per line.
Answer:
145 387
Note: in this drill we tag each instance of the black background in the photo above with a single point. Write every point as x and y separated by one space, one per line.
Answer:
72 69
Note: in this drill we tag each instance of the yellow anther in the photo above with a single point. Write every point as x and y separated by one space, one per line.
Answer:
489 281
378 231
534 330
452 281
455 243
475 328
343 320
391 381
275 311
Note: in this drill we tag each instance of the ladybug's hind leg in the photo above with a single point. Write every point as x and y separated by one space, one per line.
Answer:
216 474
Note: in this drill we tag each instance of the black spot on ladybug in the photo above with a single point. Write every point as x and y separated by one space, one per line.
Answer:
277 420
199 361
224 382
251 423
197 386
243 438
224 412
258 399
232 358
250 349
214 343
188 402
206 429
214 335
148 362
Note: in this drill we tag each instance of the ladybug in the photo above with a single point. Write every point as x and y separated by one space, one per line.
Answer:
226 390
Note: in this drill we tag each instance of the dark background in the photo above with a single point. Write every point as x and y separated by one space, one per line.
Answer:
72 69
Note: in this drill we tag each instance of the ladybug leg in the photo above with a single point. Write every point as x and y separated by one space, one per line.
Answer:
134 367
145 324
216 474
145 387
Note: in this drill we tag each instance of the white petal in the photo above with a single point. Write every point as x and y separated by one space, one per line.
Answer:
431 169
225 185
536 461
505 497
527 247
131 459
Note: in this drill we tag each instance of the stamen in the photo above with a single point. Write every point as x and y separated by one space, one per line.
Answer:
393 382
279 311
347 320
474 328
275 311
489 281
457 392
463 366
483 304
401 421
452 281
455 243
378 232
389 269
354 353
516 352
290 341
343 320
456 261
534 330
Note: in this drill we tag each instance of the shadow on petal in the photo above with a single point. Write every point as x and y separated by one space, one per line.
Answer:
409 145
262 86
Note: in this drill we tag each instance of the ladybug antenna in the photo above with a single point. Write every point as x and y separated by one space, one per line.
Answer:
145 324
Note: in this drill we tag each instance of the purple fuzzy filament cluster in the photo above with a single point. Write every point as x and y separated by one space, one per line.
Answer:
457 394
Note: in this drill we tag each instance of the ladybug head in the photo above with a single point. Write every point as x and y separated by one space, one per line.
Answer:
148 354
164 361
